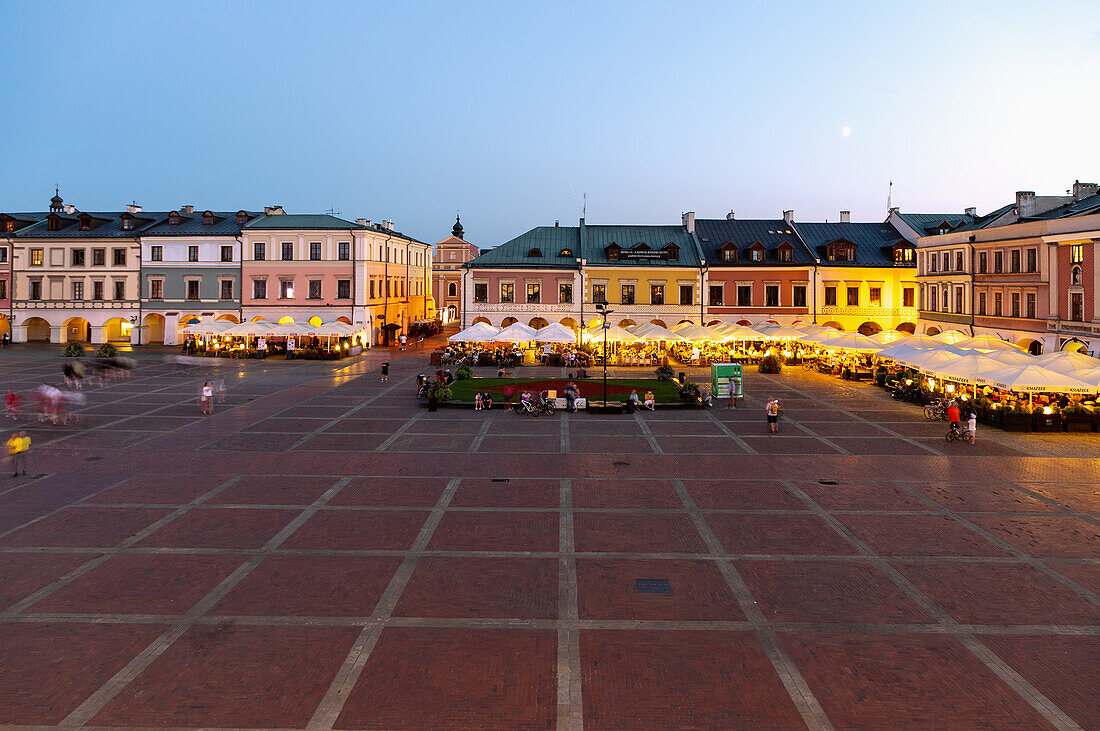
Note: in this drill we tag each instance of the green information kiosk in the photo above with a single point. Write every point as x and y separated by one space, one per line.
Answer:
726 376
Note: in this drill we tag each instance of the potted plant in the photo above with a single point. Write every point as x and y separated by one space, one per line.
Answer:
770 364
1077 418
74 350
1048 422
1015 419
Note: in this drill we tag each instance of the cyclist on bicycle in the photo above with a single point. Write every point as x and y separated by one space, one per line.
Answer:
953 413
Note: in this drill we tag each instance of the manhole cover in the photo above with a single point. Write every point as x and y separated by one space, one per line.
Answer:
652 586
500 479
621 464
827 482
92 459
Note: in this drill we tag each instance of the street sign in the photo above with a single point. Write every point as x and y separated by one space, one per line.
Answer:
723 377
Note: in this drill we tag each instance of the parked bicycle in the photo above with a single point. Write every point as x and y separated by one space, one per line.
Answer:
958 433
534 407
936 410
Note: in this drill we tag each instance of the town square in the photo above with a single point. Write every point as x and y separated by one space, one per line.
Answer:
439 366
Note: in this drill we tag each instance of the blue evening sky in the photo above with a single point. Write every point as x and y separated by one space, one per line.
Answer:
511 111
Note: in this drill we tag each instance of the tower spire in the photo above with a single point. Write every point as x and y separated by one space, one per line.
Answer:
456 230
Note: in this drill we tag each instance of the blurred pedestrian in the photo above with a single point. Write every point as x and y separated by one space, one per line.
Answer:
385 371
19 444
772 410
13 404
207 401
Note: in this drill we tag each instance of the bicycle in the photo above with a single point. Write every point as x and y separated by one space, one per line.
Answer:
958 433
936 410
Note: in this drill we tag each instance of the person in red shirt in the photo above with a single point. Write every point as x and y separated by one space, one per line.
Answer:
953 414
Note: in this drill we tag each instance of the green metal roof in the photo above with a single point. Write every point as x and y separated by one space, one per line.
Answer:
311 221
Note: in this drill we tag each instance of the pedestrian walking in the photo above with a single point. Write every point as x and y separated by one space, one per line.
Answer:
19 444
772 410
385 371
402 340
12 402
207 399
972 425
5 339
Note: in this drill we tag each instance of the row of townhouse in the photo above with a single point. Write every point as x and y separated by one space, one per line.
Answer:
853 276
1026 273
138 277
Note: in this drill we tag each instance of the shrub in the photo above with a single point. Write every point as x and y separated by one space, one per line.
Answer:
464 373
771 364
689 392
664 373
441 392
107 351
74 350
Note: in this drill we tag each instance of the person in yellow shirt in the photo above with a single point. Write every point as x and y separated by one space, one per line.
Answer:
18 445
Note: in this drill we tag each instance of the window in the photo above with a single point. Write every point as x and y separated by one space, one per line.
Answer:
173 219
118 256
771 295
343 251
1015 261
599 294
120 290
799 298
947 261
192 289
207 219
687 294
933 262
481 292
313 289
757 254
945 300
744 295
565 293
1031 305
156 289
242 218
3 289
786 253
192 253
998 262
958 261
507 292
981 303
627 294
840 251
259 289
1076 253
372 289
534 295
998 299
53 223
127 224
716 292
534 252
931 298
1075 276
314 251
982 262
288 251
78 290
78 257
227 289
959 300
343 289
565 253
830 296
259 251
1015 304
907 297
1032 260
389 283
876 296
904 254
656 294
853 296
227 253
286 289
1077 307
729 254
99 257
97 290
36 290
36 257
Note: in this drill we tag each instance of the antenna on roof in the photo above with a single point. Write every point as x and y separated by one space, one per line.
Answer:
332 211
584 207
890 198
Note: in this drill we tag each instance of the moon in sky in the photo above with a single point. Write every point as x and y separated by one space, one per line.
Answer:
845 131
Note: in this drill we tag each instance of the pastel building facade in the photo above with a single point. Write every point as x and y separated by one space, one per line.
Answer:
191 270
393 280
449 255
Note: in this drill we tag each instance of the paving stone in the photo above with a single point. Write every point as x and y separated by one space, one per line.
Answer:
360 530
607 590
85 527
496 531
742 495
625 494
1057 537
509 588
22 574
919 535
413 492
859 495
777 534
510 494
629 533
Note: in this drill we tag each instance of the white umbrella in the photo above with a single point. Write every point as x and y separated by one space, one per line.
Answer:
481 332
784 333
250 328
928 360
517 332
950 337
819 337
1067 361
1013 357
986 342
338 329
1034 378
899 352
653 331
923 341
292 328
614 334
695 333
855 342
216 328
555 333
738 332
888 337
972 368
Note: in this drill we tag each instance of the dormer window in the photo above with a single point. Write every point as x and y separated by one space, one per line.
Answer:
242 218
85 222
904 254
640 246
207 218
785 252
673 251
173 219
729 251
612 250
756 252
9 224
840 250
534 252
53 222
127 222
565 253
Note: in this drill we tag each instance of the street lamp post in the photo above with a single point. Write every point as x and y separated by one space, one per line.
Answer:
604 313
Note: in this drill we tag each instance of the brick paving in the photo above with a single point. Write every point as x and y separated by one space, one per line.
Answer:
322 553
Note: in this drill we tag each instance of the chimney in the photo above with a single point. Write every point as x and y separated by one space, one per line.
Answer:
730 216
387 224
972 212
363 222
788 216
274 211
1025 203
556 223
133 208
1084 190
187 209
69 209
689 221
845 217
893 210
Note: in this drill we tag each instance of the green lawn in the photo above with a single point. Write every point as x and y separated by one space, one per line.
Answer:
592 388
